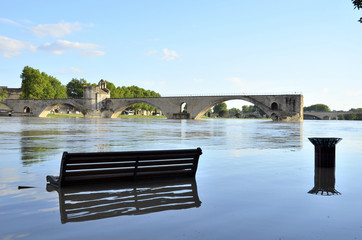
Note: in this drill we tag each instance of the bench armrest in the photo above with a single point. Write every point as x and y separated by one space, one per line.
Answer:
53 180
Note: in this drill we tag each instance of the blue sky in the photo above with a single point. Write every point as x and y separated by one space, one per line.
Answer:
191 47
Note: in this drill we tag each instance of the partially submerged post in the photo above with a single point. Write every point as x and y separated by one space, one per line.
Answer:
325 151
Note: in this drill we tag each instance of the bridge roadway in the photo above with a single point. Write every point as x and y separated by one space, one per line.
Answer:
278 107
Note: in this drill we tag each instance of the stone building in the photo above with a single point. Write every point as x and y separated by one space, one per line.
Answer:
93 96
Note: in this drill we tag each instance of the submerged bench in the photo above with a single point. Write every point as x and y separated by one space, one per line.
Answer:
99 166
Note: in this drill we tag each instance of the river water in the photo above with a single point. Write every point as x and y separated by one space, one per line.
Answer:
252 181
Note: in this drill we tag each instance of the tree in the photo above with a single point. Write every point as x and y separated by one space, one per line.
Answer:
356 110
60 90
3 94
36 85
32 84
133 92
248 109
75 88
357 4
219 108
235 112
317 108
252 109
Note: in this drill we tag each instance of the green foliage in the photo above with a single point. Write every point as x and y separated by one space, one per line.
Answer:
357 4
235 112
356 110
36 85
248 109
75 88
317 108
220 107
3 94
133 92
350 116
223 113
252 109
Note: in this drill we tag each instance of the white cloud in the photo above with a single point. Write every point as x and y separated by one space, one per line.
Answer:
94 53
169 55
72 70
9 21
61 46
149 53
55 30
76 70
12 47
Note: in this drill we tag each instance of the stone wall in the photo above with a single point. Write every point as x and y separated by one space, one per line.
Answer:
13 93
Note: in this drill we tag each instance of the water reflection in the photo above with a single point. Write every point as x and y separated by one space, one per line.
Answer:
324 182
86 203
45 139
37 144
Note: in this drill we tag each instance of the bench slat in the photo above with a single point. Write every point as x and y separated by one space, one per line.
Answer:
136 153
95 159
128 170
126 164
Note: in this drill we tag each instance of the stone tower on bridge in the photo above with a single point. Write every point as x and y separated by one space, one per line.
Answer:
93 98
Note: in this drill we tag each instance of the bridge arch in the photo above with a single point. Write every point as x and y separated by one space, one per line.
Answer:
27 109
115 108
258 104
274 106
183 107
311 116
48 108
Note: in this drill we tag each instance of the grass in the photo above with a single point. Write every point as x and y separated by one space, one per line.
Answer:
64 115
139 116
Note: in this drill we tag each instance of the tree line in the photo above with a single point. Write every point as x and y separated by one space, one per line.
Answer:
39 85
355 115
221 110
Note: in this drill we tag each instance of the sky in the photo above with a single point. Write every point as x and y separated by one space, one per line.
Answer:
191 47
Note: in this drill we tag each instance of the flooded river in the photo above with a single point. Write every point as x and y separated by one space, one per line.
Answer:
252 181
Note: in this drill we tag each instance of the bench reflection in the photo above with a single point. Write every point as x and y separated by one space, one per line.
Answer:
86 203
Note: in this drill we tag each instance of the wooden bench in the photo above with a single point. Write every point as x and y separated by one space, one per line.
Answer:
99 166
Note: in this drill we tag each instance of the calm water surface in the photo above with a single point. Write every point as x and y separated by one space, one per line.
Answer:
252 182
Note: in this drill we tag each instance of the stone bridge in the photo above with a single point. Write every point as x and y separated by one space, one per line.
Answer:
278 107
325 115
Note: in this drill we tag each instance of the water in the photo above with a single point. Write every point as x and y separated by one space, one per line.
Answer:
252 182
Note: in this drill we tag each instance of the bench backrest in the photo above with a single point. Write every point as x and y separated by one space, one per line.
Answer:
78 167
